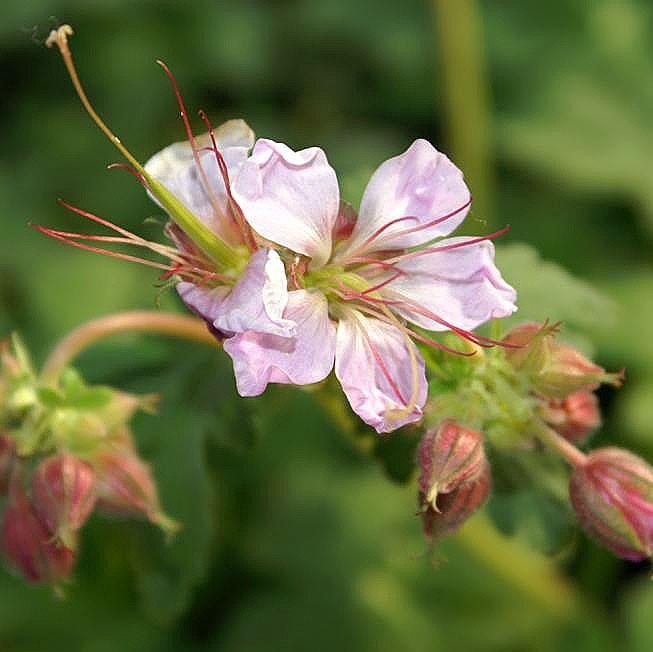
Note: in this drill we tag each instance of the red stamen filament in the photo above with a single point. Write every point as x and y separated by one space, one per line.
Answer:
191 138
439 249
384 370
236 212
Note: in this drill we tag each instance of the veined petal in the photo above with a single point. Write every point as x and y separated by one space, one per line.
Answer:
461 286
255 303
405 195
176 169
290 198
307 358
258 300
381 372
204 302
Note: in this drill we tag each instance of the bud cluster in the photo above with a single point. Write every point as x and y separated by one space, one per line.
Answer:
561 378
65 451
533 386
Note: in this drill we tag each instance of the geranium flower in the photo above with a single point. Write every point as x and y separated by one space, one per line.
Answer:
216 255
358 279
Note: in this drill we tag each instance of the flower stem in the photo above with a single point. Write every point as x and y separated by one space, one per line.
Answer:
558 444
143 321
465 95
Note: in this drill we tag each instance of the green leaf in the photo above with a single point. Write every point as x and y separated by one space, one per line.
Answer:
547 291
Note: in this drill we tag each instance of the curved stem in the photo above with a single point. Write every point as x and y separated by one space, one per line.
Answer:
558 444
143 321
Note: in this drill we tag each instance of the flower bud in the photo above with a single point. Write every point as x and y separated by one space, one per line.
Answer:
528 346
612 495
125 486
568 370
452 509
574 417
7 459
448 457
29 546
556 369
63 494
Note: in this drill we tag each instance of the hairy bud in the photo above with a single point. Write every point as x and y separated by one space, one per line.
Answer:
567 371
29 546
7 459
612 495
574 417
452 509
63 494
556 370
126 487
449 456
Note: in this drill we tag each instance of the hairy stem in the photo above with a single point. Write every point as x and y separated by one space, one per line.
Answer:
558 444
141 321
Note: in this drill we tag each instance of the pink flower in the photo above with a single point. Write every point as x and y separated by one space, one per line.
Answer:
199 173
358 280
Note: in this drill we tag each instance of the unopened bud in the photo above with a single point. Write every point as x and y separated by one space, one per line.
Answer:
575 416
527 346
556 369
126 487
568 370
449 456
29 546
63 494
452 509
7 459
612 495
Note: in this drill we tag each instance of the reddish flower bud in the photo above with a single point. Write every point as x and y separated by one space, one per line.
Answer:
29 546
448 457
63 493
575 416
7 458
125 486
452 509
567 370
612 495
556 369
529 346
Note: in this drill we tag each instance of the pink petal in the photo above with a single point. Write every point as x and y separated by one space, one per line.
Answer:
421 184
381 372
307 358
255 303
176 169
462 286
290 198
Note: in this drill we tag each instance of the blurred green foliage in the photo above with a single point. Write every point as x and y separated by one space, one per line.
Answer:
293 539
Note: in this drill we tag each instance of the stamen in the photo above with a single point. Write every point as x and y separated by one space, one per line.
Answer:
380 230
169 252
379 360
133 171
382 284
106 252
191 140
457 245
208 241
236 211
435 222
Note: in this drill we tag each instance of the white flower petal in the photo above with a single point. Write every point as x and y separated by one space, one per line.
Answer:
381 372
307 358
421 185
290 198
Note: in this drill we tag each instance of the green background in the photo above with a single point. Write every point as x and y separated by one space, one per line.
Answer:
293 539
